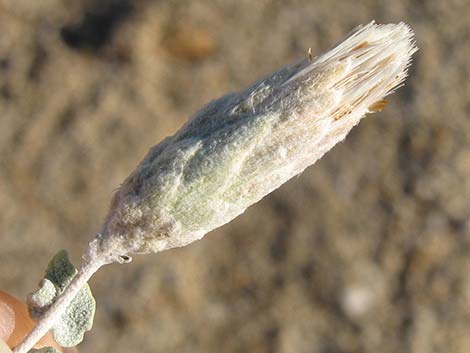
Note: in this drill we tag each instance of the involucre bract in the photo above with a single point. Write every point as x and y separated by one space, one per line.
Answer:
242 146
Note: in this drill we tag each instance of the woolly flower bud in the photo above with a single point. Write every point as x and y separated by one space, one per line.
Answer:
244 145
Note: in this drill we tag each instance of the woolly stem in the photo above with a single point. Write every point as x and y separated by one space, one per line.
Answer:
59 306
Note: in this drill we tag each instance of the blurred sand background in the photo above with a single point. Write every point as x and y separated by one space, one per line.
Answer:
367 251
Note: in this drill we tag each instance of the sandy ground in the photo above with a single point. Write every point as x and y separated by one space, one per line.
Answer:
367 251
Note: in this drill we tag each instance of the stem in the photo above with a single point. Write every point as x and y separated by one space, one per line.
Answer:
59 306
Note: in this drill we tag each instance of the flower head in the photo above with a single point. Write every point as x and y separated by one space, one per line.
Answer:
244 145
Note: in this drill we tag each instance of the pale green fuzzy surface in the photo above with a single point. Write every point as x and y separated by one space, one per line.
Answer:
241 147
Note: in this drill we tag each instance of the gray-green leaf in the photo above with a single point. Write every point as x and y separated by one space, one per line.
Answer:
77 318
